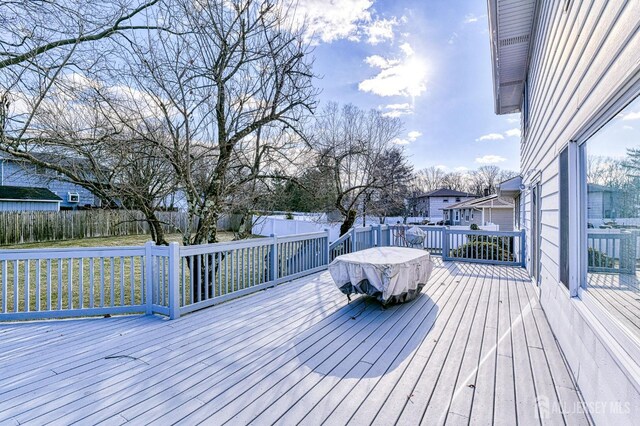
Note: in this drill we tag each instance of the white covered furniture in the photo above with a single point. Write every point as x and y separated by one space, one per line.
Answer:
390 274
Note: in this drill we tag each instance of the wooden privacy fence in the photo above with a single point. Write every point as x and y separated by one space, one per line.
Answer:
169 280
32 227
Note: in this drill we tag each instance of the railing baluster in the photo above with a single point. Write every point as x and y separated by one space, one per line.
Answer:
59 284
38 292
81 282
91 282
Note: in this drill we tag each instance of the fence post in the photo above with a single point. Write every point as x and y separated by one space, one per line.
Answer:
274 260
327 252
445 244
148 275
379 235
174 278
354 243
523 248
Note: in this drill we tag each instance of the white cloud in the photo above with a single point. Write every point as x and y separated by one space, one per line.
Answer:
441 167
413 135
327 23
399 141
380 30
627 127
512 132
407 49
453 38
461 169
513 119
377 61
631 116
406 77
490 137
397 110
470 18
490 159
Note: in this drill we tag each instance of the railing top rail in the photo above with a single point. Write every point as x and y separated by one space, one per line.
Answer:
220 247
302 237
482 232
340 239
71 252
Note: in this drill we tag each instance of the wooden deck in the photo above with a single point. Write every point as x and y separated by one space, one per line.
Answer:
475 347
619 294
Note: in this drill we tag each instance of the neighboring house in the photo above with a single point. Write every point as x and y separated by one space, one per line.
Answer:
432 204
570 67
602 202
491 210
17 172
19 198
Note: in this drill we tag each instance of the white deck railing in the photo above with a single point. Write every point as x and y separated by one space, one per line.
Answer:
174 280
169 280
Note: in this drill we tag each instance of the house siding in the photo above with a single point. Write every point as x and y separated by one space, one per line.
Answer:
11 206
18 174
580 63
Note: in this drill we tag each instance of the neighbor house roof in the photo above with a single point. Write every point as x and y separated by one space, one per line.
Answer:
492 201
510 187
444 192
22 193
511 31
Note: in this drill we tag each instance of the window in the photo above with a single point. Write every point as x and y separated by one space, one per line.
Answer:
446 200
457 199
610 204
73 197
565 246
457 216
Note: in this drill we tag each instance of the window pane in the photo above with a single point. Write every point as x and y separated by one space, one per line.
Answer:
613 217
565 246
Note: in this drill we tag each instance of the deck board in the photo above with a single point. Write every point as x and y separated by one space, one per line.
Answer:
474 348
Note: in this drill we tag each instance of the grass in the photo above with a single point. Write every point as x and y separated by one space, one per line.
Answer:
130 240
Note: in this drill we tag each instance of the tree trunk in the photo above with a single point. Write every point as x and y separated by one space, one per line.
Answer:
349 220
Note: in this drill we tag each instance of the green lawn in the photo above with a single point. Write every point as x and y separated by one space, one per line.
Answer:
130 240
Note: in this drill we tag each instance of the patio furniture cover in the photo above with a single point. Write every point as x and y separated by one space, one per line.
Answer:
390 274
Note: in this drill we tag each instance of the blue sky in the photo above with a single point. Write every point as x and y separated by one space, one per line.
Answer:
426 61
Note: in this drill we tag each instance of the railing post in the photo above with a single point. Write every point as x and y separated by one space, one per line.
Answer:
354 243
174 277
379 235
327 251
523 248
148 276
274 260
445 244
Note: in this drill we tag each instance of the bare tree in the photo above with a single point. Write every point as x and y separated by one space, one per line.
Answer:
350 144
431 178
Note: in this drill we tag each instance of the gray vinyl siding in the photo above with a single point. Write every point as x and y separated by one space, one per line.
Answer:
12 206
503 218
580 63
17 174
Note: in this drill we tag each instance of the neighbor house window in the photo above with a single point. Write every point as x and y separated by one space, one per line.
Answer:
610 175
445 200
457 199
